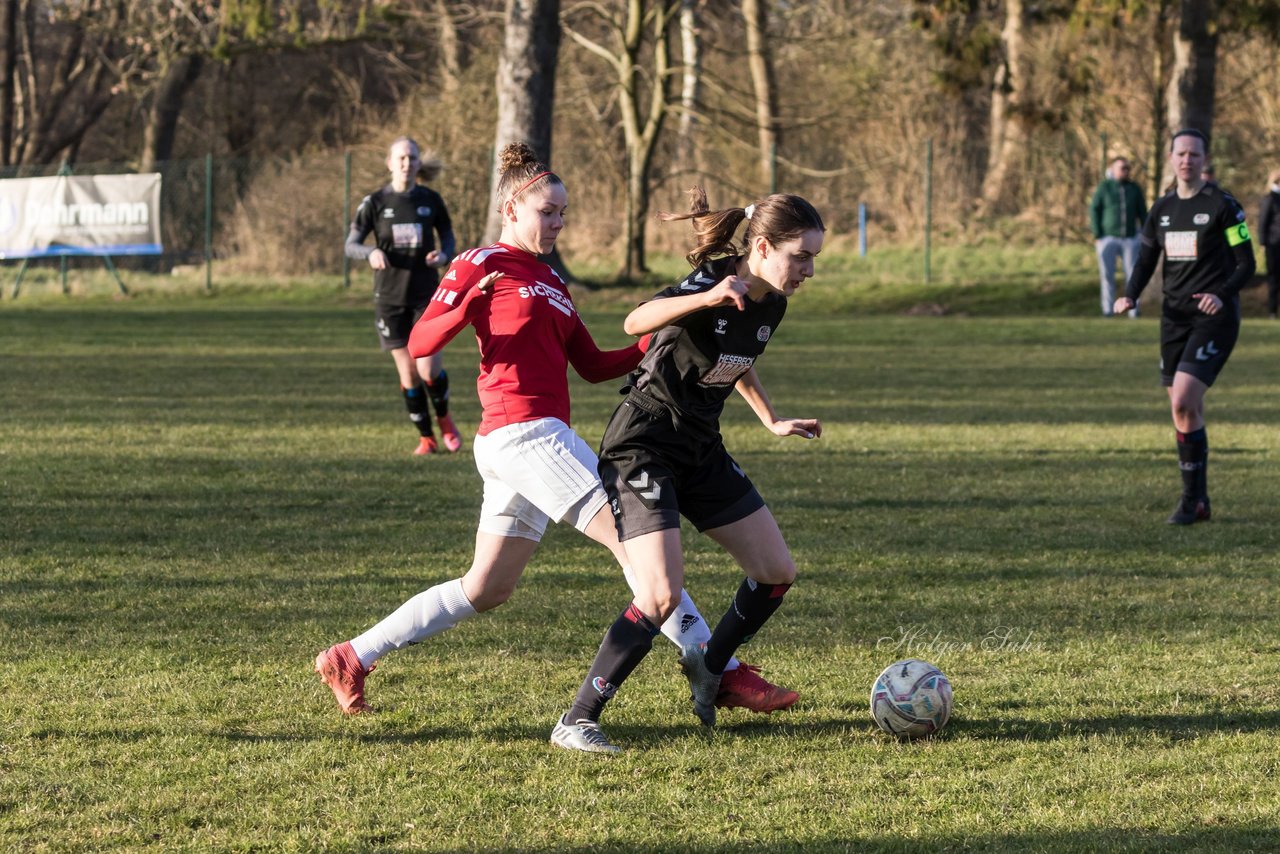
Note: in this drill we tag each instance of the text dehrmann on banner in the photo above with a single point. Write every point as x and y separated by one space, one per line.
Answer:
80 215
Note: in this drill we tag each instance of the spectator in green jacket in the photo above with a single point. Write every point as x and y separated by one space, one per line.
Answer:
1116 215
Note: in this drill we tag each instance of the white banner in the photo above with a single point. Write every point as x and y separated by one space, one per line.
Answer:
80 215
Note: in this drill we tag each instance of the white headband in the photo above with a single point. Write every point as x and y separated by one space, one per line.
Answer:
749 210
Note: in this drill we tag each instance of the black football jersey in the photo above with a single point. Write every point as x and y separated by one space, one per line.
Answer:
404 226
692 365
1198 237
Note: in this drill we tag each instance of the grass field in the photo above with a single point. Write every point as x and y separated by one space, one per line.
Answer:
200 493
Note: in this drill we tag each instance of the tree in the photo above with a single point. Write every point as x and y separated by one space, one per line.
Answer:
964 37
644 99
1009 109
687 149
8 76
1195 62
755 14
526 83
56 84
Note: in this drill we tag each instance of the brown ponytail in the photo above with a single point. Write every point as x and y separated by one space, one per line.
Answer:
778 218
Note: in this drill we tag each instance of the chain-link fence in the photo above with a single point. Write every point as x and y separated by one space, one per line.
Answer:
286 218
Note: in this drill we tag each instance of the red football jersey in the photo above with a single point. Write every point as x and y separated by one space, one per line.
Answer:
529 333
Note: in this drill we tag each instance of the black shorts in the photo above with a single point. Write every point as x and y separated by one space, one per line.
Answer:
1199 345
395 322
654 475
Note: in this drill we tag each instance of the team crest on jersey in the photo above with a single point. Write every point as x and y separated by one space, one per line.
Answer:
1201 218
763 333
425 210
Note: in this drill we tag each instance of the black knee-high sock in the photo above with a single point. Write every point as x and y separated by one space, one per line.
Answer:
438 388
1193 460
625 645
752 605
415 400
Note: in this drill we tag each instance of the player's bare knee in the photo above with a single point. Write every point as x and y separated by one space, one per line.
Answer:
1185 411
491 597
778 573
661 604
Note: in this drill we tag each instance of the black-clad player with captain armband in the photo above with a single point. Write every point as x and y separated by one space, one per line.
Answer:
1208 257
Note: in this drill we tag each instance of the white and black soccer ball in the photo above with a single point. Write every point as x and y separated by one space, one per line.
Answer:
910 699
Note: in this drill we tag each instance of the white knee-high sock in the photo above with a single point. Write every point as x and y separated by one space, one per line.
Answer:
685 625
430 612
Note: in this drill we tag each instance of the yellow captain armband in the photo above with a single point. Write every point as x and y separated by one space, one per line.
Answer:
1237 234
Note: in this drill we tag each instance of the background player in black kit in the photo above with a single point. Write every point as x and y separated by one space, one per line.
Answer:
662 455
405 218
1200 228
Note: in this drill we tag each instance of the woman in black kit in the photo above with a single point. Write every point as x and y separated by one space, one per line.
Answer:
1208 256
662 455
405 217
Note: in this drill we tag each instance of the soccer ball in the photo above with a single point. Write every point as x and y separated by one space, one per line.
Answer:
911 698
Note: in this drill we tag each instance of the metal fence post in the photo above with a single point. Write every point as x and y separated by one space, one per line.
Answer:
928 211
346 216
208 222
862 229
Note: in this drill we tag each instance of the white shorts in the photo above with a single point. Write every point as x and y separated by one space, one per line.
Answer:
536 471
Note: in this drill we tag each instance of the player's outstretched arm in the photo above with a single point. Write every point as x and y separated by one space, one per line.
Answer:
595 365
752 390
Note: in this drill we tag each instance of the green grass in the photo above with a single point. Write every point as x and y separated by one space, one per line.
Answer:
199 493
992 279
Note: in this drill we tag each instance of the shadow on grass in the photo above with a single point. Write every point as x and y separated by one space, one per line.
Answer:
1171 727
642 738
810 839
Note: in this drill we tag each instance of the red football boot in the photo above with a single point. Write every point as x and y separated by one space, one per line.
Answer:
745 688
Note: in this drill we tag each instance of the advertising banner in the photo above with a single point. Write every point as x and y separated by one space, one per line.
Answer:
80 215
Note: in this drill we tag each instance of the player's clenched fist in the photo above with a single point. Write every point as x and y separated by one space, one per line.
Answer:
729 290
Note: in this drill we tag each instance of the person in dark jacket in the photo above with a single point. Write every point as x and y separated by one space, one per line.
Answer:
1269 234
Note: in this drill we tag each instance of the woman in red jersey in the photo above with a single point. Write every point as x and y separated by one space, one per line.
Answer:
535 467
